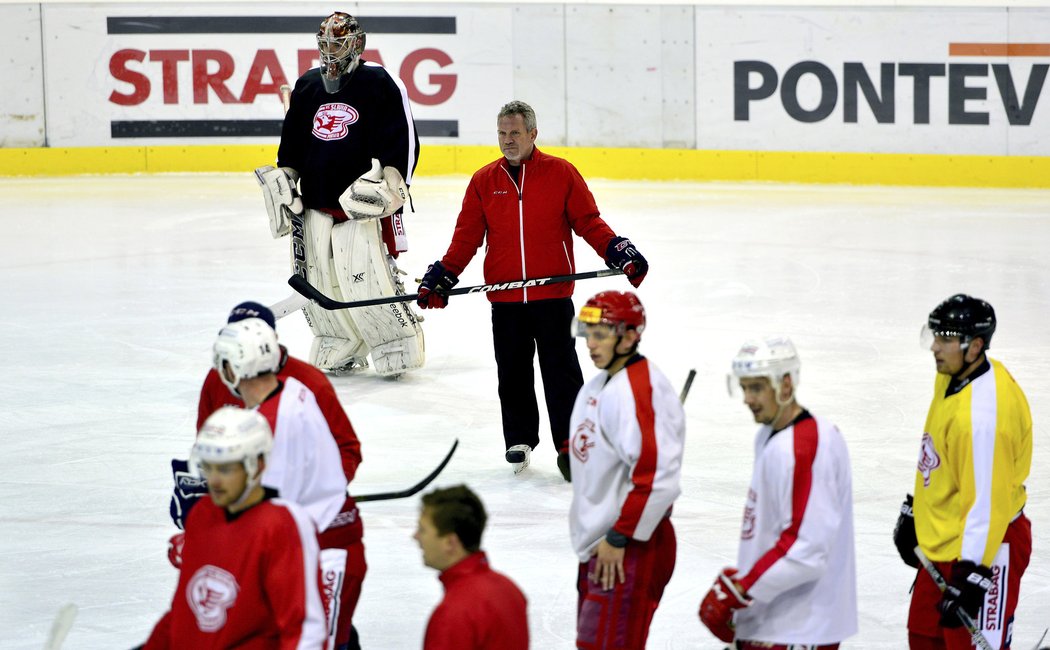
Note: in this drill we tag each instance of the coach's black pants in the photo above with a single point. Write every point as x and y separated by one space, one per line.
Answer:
518 331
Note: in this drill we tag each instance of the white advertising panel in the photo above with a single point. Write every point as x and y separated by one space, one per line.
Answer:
210 73
881 80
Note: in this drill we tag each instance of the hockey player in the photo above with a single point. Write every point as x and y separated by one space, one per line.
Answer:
349 145
628 433
304 466
795 580
525 208
975 455
215 394
250 562
482 609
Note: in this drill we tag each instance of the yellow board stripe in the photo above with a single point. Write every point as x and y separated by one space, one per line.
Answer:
593 162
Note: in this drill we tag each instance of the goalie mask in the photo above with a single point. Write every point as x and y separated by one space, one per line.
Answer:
772 358
340 41
234 435
245 349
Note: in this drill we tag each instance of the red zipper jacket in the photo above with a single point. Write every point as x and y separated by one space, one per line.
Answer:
528 225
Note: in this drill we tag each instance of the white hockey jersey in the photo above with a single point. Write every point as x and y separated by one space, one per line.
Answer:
796 557
627 434
304 465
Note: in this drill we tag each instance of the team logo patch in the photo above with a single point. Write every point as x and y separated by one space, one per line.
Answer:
210 592
929 460
582 441
331 121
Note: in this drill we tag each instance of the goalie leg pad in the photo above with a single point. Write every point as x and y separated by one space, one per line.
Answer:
337 343
391 331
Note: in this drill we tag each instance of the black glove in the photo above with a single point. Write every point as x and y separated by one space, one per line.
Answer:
965 591
189 489
904 534
621 254
433 290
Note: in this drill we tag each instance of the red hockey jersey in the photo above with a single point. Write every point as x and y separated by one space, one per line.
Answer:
249 581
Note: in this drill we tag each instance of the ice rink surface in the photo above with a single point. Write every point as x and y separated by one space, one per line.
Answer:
114 288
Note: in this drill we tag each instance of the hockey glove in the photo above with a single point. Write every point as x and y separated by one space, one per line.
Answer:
175 549
433 290
621 254
904 534
281 197
966 591
379 192
189 488
724 598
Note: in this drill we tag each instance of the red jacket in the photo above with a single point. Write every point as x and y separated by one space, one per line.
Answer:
528 225
482 610
214 394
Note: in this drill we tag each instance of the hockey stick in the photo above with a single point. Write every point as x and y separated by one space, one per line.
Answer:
305 288
975 633
688 385
60 626
286 96
386 496
289 305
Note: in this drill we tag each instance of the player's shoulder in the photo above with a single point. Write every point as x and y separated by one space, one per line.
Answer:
374 72
306 373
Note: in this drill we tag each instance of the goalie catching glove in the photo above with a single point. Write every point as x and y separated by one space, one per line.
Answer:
281 197
724 598
378 193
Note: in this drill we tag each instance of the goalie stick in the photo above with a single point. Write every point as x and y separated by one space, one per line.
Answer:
305 288
975 633
386 496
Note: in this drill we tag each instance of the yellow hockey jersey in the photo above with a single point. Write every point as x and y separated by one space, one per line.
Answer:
976 454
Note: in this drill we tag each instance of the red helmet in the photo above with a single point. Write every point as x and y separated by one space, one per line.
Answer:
621 309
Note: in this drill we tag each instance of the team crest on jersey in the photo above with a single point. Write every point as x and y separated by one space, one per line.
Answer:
582 440
929 460
210 592
331 121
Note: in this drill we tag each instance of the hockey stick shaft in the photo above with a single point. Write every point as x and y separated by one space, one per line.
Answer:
60 626
386 496
300 284
289 305
688 384
967 620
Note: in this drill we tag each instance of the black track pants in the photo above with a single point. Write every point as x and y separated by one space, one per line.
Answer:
518 331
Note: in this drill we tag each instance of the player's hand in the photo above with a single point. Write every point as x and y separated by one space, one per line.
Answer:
725 597
433 290
965 592
608 569
189 489
904 534
621 254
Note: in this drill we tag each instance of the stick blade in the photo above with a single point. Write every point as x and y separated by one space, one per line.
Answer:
60 626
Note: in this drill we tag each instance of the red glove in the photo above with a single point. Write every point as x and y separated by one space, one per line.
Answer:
725 597
175 549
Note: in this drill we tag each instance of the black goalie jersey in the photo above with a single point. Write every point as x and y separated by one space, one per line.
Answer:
330 139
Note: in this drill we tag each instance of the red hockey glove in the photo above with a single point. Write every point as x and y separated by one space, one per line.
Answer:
175 549
965 591
621 254
433 290
716 610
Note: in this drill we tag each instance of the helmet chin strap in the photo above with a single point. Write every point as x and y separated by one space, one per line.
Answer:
249 486
617 356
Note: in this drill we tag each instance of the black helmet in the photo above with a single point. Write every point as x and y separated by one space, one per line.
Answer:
964 316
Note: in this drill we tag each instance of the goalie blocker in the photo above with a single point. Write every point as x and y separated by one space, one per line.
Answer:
349 260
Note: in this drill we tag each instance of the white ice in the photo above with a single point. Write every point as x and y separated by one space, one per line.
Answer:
114 287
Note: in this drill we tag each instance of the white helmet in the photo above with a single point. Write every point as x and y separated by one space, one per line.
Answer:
250 349
771 357
231 435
